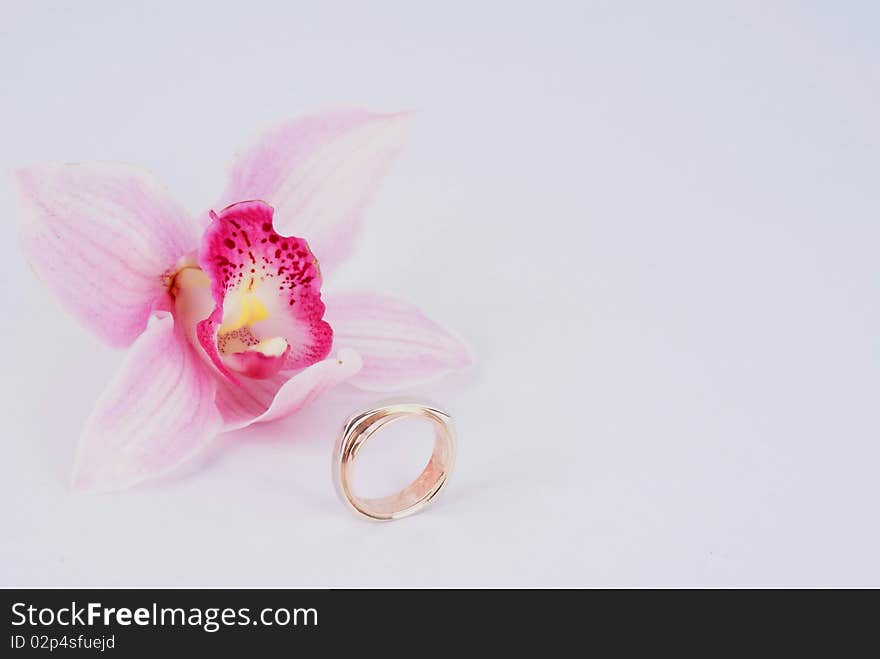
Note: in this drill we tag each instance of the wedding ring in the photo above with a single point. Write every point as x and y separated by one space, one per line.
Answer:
415 496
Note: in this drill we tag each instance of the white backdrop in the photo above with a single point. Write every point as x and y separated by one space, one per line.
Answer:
656 223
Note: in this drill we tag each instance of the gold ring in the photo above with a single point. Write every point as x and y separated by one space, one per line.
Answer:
415 496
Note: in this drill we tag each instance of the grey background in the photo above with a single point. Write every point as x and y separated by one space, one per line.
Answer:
657 224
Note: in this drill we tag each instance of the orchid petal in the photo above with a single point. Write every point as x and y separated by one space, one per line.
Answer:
320 173
157 412
265 287
399 345
102 236
260 401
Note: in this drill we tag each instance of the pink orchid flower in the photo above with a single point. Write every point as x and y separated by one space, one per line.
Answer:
223 317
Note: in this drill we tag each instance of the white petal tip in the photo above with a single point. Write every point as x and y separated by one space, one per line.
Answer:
349 358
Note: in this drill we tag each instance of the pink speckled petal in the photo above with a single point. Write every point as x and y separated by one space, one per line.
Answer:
259 401
320 173
157 412
400 346
250 264
101 236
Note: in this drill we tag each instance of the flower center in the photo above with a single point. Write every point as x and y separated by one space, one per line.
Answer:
241 343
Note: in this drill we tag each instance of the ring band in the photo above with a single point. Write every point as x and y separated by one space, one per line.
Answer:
415 496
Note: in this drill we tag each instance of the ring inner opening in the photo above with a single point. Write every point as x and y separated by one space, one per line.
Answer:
393 458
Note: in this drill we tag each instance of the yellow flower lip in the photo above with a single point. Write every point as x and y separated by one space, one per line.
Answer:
242 309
